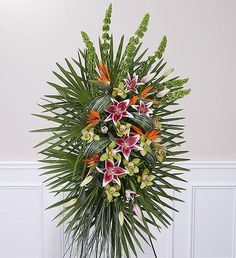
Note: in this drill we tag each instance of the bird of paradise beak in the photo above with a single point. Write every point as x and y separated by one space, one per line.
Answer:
93 118
152 135
104 74
92 161
143 95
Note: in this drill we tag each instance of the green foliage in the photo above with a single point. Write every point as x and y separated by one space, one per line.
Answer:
90 55
133 43
175 83
92 222
100 103
142 27
146 65
105 36
161 48
175 95
144 122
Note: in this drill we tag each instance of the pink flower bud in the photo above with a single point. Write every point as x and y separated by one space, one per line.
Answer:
136 209
162 93
148 78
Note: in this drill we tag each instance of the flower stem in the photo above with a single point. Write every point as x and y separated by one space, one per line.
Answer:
153 249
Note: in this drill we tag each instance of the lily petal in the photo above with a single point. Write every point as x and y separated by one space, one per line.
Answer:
119 141
135 106
149 104
116 179
117 117
107 178
126 152
132 140
119 171
127 114
123 105
111 109
109 165
108 118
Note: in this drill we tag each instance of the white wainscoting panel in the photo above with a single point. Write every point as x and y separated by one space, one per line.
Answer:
26 230
213 234
204 227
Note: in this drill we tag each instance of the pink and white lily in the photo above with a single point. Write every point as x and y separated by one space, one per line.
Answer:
118 110
143 109
126 144
132 83
111 172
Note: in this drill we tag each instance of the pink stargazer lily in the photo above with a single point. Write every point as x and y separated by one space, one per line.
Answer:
126 144
118 110
112 171
132 84
143 109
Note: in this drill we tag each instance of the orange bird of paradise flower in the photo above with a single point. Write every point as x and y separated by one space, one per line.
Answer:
93 118
133 100
104 74
145 92
142 95
151 135
92 161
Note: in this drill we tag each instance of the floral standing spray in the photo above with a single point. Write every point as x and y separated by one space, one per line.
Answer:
113 145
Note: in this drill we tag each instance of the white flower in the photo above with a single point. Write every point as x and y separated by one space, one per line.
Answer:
168 71
121 218
148 78
162 93
87 180
130 195
143 109
104 129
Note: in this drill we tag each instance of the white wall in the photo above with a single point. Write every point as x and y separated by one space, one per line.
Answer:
34 35
202 39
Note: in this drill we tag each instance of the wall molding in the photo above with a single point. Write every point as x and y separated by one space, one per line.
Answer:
19 165
210 165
